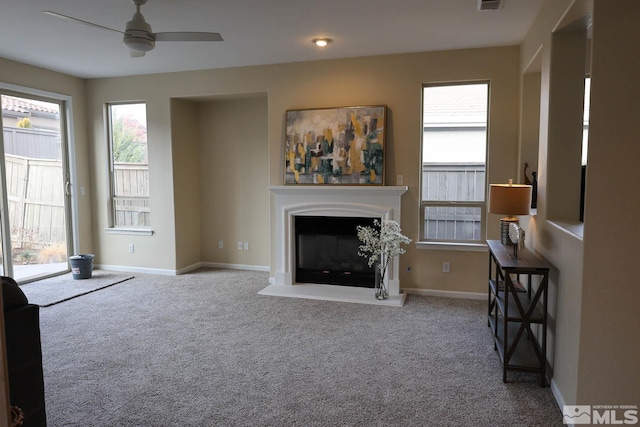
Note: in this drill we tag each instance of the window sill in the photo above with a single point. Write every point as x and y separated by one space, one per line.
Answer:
450 246
131 231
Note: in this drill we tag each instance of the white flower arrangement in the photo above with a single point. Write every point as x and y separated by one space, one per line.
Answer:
381 243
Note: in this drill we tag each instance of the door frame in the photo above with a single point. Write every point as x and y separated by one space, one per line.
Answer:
68 165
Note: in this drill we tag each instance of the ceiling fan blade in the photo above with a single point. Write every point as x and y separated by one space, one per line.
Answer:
187 37
136 53
71 18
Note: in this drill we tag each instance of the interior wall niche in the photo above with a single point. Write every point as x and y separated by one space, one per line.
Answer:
233 165
569 59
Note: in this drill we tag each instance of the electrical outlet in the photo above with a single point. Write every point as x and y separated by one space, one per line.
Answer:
240 246
246 246
220 244
446 267
400 180
131 248
82 191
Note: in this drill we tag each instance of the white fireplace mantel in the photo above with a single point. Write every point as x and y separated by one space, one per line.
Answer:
339 190
340 201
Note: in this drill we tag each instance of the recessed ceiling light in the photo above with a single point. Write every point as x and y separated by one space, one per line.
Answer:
321 42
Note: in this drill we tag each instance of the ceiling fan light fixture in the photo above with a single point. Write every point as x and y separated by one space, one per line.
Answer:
139 44
139 37
321 42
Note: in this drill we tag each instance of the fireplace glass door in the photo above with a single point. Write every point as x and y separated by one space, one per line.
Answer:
327 251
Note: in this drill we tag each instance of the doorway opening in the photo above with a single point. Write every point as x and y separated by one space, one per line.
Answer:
35 187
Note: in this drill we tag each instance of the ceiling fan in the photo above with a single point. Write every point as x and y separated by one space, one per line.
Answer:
138 36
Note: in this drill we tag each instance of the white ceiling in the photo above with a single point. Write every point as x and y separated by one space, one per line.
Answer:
255 31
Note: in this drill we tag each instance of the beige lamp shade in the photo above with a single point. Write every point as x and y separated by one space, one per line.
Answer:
510 199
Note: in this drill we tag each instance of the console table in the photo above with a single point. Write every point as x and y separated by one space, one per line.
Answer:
518 291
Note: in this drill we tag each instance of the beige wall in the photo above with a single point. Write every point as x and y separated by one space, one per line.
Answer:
157 252
564 148
234 170
187 183
394 80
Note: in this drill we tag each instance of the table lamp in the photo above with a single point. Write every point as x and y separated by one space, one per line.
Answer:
509 199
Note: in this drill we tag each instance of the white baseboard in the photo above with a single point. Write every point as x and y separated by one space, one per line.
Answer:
129 269
189 268
445 294
236 266
184 270
556 393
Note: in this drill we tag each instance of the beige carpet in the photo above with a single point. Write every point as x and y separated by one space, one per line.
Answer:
204 349
62 288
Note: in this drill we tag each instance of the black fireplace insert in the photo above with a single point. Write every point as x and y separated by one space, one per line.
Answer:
326 251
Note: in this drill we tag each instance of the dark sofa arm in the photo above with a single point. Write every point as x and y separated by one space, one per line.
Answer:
24 360
24 354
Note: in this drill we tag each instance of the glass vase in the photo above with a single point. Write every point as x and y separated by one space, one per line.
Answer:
381 290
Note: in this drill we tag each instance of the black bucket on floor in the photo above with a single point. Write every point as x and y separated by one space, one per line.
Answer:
81 266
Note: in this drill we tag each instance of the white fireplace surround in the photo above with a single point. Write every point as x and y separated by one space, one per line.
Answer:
332 201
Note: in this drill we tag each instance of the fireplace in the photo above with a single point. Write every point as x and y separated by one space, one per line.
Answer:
326 250
290 204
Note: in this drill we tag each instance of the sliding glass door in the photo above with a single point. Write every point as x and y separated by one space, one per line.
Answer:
35 187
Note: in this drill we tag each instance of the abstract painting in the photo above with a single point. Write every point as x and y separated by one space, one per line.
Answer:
335 146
